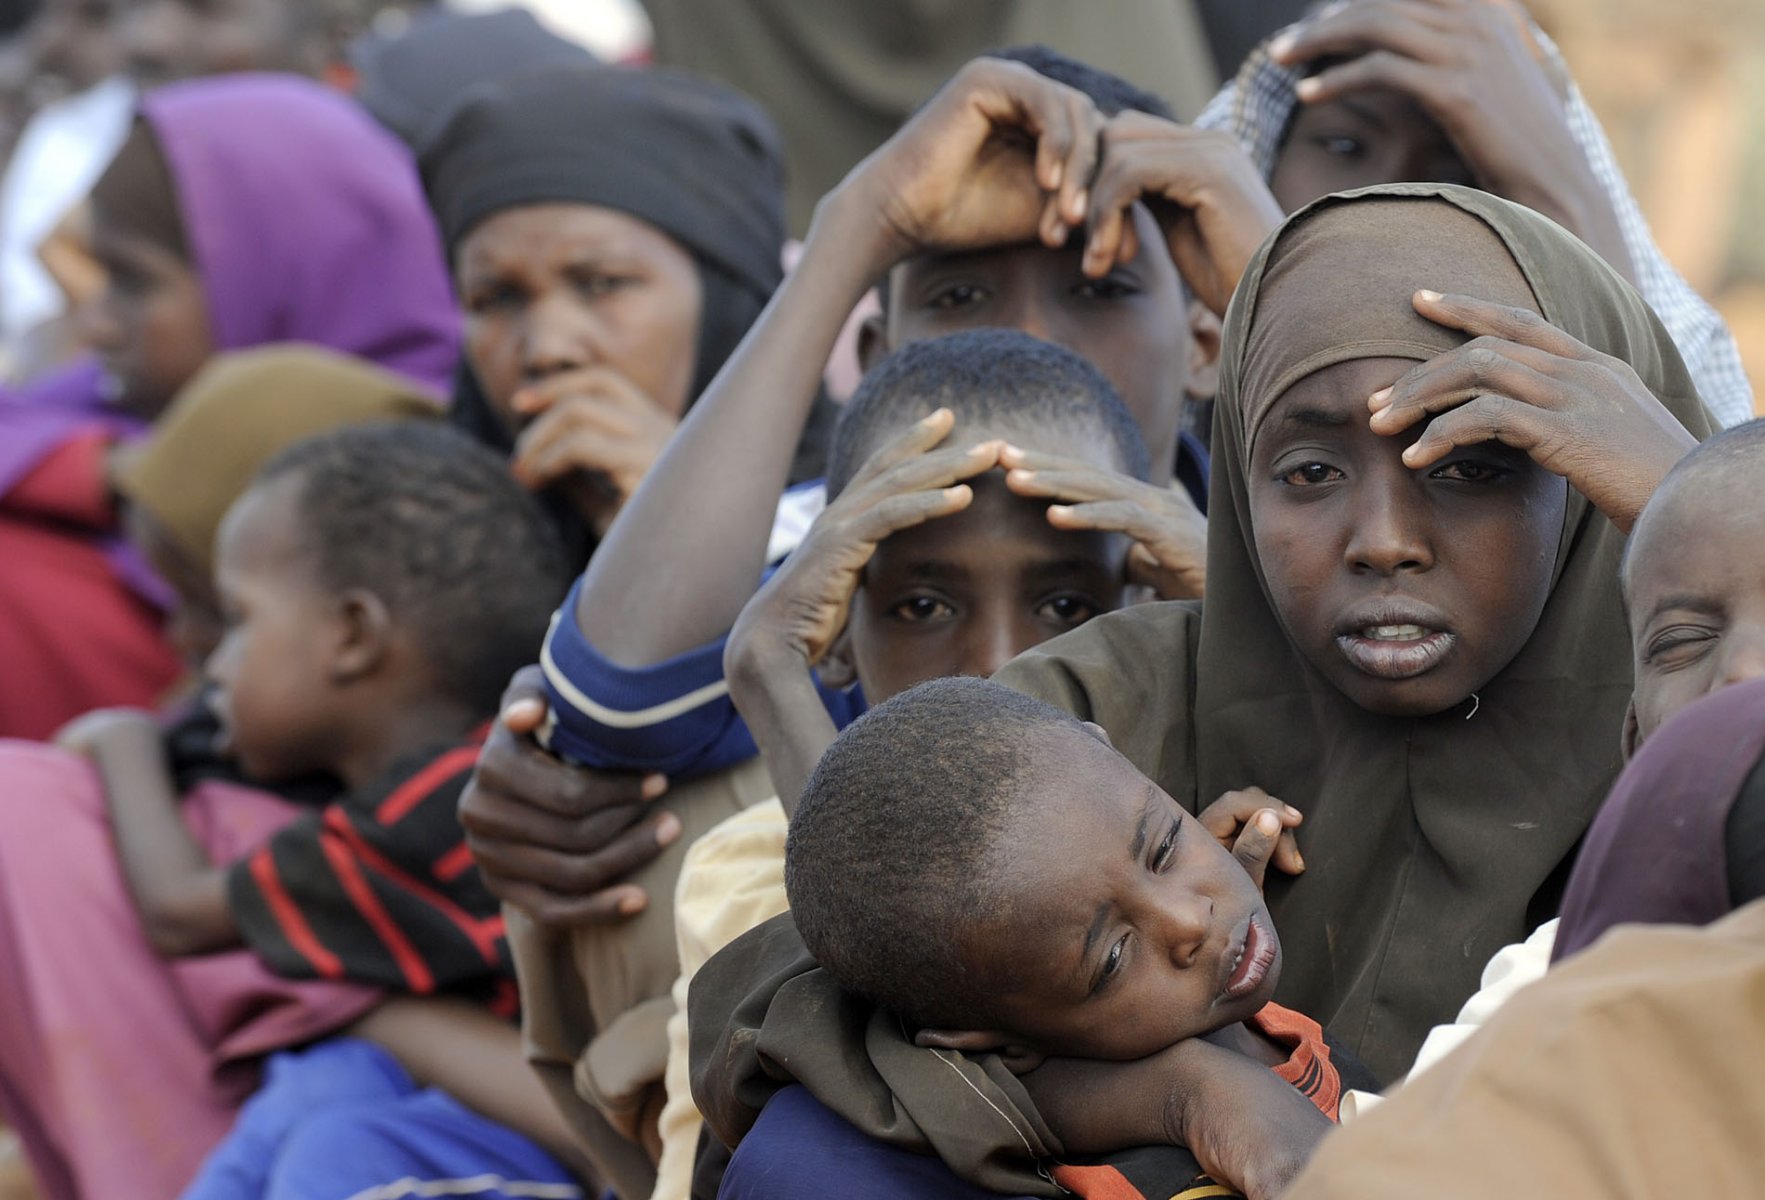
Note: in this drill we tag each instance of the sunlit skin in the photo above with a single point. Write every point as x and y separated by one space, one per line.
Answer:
551 289
1123 926
1406 589
167 40
271 672
1695 587
1374 136
1132 324
966 593
150 324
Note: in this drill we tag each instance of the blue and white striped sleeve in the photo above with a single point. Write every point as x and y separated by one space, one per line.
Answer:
675 716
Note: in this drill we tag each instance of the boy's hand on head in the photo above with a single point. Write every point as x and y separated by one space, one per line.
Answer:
554 839
594 433
1169 554
1525 383
1001 155
1474 67
1205 191
910 480
1258 830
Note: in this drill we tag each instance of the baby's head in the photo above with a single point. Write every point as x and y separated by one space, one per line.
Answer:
989 868
964 594
1694 579
368 573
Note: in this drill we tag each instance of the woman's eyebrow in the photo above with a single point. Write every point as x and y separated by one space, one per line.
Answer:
1370 115
1315 418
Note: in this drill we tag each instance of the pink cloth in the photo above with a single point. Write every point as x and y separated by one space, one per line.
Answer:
118 1069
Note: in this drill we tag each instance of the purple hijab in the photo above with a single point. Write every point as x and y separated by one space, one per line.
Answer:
1657 853
307 224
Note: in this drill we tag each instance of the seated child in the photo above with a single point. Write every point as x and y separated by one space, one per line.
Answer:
378 585
122 1117
990 870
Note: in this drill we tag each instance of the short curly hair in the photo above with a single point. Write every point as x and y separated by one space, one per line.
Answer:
895 846
984 376
434 525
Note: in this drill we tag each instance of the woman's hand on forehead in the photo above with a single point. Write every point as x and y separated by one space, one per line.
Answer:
1169 554
1475 68
1525 383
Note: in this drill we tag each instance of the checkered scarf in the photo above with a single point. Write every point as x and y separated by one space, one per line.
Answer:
1256 106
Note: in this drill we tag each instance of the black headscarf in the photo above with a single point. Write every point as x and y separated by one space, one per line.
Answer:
412 78
700 162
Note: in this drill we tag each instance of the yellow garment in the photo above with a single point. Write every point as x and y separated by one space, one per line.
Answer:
731 881
596 999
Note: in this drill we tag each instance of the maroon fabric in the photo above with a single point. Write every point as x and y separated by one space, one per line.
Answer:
1656 852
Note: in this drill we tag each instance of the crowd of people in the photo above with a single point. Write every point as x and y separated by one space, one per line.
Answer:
1135 659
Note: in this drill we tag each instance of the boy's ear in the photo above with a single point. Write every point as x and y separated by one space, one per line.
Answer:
838 670
1097 731
1632 736
1018 1058
873 341
364 633
1204 351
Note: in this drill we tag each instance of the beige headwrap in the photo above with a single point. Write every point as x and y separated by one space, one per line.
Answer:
237 414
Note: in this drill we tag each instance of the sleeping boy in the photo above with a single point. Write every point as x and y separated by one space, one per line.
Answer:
991 871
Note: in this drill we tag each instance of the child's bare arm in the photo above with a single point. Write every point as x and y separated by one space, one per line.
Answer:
792 622
476 1058
999 156
1248 1127
180 894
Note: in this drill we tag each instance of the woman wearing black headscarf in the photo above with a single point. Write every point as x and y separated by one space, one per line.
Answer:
613 233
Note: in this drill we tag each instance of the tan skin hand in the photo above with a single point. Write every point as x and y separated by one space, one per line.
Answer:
1258 830
907 482
1521 381
1205 191
1000 155
1472 66
1169 554
553 839
592 432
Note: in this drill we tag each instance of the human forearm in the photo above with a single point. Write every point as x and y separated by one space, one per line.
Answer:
773 689
180 895
687 550
474 1057
1245 1125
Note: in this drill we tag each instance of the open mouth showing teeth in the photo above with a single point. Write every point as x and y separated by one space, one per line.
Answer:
1400 651
1395 633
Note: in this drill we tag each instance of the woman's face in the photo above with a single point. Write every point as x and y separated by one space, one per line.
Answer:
149 326
554 288
1371 137
1407 589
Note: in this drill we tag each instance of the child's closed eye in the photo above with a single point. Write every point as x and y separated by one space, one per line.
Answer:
1678 645
1467 470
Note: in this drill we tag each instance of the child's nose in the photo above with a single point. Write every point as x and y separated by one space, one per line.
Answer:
1743 657
1184 925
